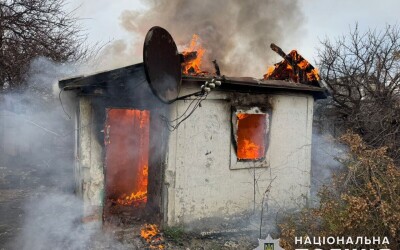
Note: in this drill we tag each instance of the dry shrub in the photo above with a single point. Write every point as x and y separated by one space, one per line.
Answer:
362 200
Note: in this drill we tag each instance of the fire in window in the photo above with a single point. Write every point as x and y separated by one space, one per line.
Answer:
251 134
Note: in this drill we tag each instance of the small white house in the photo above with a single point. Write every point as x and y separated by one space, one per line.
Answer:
247 144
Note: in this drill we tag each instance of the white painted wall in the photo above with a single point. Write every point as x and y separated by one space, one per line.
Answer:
89 173
198 181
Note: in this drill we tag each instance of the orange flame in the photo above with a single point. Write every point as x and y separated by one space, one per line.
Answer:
137 197
151 234
248 150
313 75
284 71
127 176
270 71
193 66
251 136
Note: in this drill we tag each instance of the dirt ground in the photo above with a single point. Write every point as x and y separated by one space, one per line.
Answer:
20 181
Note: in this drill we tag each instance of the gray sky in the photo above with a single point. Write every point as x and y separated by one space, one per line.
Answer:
324 18
332 18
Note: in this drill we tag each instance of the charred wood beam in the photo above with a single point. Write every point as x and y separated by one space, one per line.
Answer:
288 58
216 66
280 52
188 56
301 74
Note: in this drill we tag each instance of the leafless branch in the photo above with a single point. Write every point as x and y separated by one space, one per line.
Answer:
362 70
33 28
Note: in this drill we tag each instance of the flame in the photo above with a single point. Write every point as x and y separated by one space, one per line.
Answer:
148 231
284 71
270 70
251 136
127 172
151 234
137 197
193 65
241 116
313 75
248 150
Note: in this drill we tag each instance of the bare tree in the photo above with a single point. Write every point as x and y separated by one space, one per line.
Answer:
362 71
32 28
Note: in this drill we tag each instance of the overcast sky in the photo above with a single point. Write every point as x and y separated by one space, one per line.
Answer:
323 18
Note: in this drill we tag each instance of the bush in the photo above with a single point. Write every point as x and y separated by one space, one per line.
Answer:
175 234
362 200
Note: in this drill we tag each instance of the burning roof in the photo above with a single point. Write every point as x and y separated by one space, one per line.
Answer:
193 57
293 73
293 67
102 83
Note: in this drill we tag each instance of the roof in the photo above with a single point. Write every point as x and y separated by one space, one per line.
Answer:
121 76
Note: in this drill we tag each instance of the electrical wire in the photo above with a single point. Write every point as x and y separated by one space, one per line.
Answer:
62 106
183 114
179 120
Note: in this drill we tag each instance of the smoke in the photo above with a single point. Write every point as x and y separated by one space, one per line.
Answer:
37 135
54 223
38 207
327 158
36 155
115 55
237 33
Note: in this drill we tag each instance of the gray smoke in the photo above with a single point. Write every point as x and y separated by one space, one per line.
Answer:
38 208
37 136
328 156
53 221
237 33
36 159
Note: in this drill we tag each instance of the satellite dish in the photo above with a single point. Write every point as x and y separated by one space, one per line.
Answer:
162 64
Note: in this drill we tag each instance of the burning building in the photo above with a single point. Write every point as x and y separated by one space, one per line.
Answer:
192 149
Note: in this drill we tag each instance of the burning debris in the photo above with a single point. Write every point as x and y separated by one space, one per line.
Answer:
153 237
293 68
192 57
134 198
